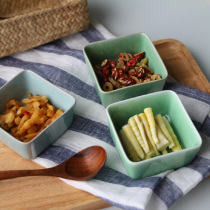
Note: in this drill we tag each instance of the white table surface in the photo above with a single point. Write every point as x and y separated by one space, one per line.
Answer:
185 20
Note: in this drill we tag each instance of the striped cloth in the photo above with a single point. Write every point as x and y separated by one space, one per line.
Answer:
62 63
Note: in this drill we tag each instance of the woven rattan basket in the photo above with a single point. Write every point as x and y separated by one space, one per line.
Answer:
25 24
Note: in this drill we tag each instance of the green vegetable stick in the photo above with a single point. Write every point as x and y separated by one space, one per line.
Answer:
129 150
151 120
140 127
164 152
137 133
161 124
177 146
147 156
132 138
148 132
163 143
150 151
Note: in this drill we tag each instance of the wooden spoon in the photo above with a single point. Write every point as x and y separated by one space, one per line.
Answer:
82 166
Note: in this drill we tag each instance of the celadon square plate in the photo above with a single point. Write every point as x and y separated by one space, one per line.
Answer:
165 103
97 52
18 88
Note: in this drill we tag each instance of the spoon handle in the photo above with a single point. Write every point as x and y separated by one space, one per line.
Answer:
20 173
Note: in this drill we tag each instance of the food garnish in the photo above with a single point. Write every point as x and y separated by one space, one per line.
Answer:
146 136
127 70
27 118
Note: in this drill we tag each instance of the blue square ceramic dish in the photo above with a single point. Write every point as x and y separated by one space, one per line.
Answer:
18 88
164 103
97 52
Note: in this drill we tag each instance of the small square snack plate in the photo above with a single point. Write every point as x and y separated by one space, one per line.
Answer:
165 103
18 88
96 53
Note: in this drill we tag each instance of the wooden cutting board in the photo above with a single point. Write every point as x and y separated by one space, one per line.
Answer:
181 65
49 192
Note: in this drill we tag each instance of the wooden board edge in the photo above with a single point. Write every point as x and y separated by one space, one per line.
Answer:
189 56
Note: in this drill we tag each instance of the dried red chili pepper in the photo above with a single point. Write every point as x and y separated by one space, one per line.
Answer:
133 74
125 80
139 56
120 55
120 59
124 68
115 73
141 72
106 71
113 64
125 71
131 62
120 73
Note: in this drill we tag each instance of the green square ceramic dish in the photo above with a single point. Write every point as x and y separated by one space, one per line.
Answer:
18 88
163 102
97 52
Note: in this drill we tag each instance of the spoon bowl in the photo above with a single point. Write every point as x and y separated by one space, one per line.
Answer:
86 163
82 166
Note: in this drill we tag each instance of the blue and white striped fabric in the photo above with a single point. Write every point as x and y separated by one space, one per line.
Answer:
62 63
